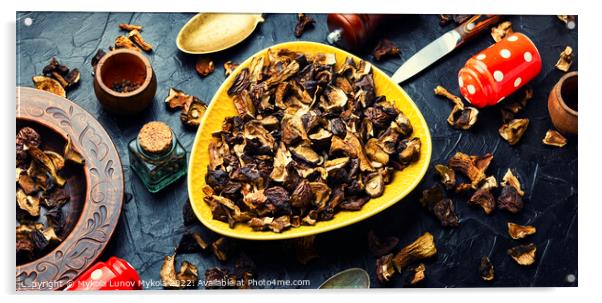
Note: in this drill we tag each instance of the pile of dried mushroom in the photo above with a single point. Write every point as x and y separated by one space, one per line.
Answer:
39 183
309 140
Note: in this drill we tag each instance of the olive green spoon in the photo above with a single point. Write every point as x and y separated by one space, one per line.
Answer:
349 278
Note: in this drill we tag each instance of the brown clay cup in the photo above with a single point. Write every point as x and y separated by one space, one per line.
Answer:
562 104
119 65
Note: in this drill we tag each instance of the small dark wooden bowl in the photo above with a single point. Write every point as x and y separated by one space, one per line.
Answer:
119 65
96 188
564 117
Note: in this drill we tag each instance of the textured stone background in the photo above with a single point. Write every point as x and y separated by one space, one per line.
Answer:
151 225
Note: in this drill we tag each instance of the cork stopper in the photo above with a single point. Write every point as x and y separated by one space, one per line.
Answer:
155 137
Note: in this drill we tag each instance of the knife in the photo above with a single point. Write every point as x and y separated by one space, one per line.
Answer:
444 45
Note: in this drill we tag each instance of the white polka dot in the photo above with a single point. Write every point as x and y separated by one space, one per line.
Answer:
505 53
528 57
96 274
512 38
498 76
481 56
460 81
517 82
471 89
500 100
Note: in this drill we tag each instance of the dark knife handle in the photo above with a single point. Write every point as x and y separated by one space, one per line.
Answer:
475 25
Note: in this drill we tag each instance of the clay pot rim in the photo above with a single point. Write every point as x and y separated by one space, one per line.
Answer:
558 89
116 52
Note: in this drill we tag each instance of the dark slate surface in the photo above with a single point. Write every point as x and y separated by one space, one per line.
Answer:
151 225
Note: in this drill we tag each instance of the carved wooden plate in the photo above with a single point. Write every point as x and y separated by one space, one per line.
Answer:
98 198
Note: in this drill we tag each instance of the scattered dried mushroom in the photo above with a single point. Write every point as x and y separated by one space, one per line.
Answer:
520 231
514 130
434 200
229 68
56 78
204 66
303 22
566 59
510 198
461 117
186 277
523 254
193 109
501 31
554 138
422 248
385 48
486 270
412 275
512 107
133 40
389 265
38 183
310 140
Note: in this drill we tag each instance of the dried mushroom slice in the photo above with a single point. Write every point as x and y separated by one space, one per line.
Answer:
191 242
473 167
422 248
385 48
523 254
447 175
125 42
441 91
26 136
566 59
29 204
130 27
193 112
462 118
510 179
486 271
229 67
510 200
501 31
303 22
177 98
188 276
514 130
385 269
204 66
517 231
554 138
46 163
222 248
484 198
375 185
412 275
50 85
512 107
71 154
168 273
136 37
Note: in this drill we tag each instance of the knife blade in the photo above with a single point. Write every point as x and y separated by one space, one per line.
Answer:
443 46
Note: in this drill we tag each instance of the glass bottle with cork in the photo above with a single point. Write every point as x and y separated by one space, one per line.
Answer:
156 156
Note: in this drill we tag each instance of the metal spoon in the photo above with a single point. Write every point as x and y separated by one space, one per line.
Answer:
349 278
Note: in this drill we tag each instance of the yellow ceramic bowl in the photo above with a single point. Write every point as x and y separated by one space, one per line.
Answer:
221 107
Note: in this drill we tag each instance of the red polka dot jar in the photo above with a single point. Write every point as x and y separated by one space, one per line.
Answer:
499 70
115 274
